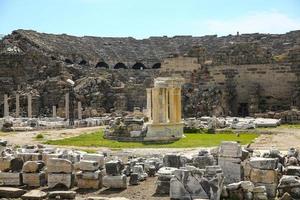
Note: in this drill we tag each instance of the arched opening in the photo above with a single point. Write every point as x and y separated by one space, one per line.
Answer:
83 62
156 66
120 65
139 65
102 65
68 61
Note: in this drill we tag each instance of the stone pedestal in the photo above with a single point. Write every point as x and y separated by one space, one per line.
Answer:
166 131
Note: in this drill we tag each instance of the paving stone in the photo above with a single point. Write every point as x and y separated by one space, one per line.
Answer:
34 195
10 192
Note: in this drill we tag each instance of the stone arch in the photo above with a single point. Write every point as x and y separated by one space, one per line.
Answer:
102 64
138 65
120 65
156 66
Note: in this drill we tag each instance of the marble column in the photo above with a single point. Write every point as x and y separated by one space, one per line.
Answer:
162 105
67 101
149 104
17 105
54 111
167 105
79 107
6 106
29 105
155 105
178 104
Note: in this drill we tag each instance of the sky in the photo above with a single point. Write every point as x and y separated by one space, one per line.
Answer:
145 18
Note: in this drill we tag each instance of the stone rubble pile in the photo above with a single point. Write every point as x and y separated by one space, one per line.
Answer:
229 122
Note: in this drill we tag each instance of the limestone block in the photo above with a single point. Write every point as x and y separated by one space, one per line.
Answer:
64 179
47 156
10 179
115 181
89 183
10 192
32 166
34 179
89 175
88 165
140 171
114 167
231 168
62 195
263 176
203 161
230 149
134 179
290 184
58 165
34 195
172 160
263 163
95 157
5 164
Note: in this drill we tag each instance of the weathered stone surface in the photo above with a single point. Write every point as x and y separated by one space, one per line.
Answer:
290 184
89 183
263 176
34 195
10 179
60 179
114 167
231 168
62 195
88 165
89 175
134 179
16 164
270 189
203 161
230 149
115 181
34 179
10 192
293 170
95 157
58 165
172 160
29 156
263 163
32 166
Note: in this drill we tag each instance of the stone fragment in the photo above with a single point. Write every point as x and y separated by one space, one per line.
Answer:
151 171
270 189
203 161
5 164
263 163
58 165
89 175
60 179
293 170
62 195
10 179
290 184
34 195
114 167
230 149
286 196
29 156
134 179
89 183
172 160
16 164
231 168
115 181
95 157
32 166
88 165
34 179
10 192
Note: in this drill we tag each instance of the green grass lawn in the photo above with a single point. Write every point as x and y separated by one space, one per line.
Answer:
191 140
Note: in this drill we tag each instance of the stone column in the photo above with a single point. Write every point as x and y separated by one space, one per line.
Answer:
149 103
6 106
162 105
155 105
29 105
17 105
54 111
67 99
172 105
79 110
167 105
178 104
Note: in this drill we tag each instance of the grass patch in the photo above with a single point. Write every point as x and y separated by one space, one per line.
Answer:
39 136
191 140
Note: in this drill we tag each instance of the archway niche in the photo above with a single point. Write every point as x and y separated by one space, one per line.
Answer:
156 66
102 65
139 65
120 66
